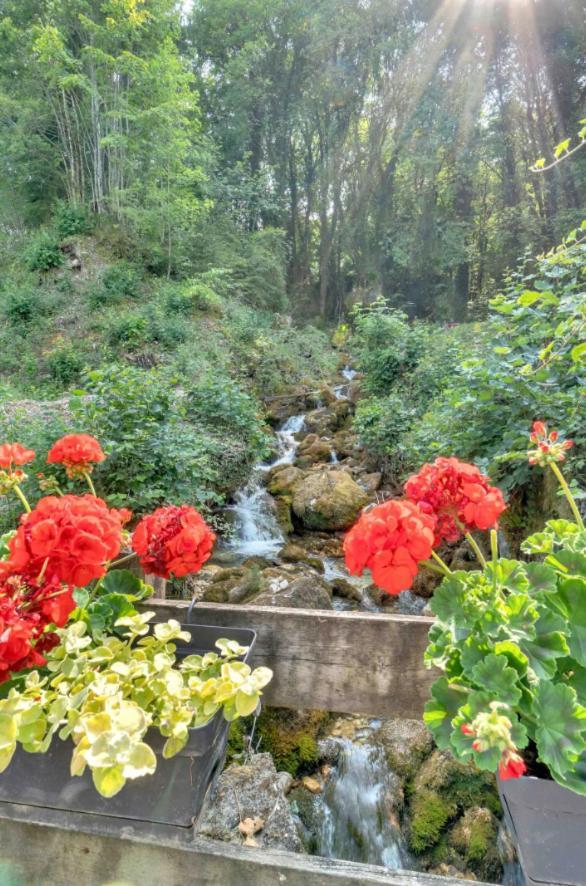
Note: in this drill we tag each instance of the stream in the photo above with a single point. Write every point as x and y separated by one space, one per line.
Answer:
356 821
355 817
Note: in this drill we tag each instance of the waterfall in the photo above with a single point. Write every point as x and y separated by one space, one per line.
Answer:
256 530
348 373
357 822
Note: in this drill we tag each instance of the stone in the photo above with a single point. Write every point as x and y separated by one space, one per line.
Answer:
282 480
329 750
474 837
406 744
328 500
293 553
233 585
252 791
311 784
405 603
285 781
321 421
448 870
296 592
283 514
317 452
371 482
345 589
461 783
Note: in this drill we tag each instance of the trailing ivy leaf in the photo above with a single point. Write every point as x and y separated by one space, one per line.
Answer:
442 708
560 734
495 676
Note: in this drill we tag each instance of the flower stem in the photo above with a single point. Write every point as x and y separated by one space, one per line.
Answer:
494 550
22 497
431 566
443 566
90 483
124 559
476 548
567 492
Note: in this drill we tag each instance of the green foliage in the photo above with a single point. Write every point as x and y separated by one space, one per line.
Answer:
118 283
291 738
105 691
511 642
22 306
43 252
70 220
473 391
65 364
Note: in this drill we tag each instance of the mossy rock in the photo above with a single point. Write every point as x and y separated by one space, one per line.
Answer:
430 813
457 782
291 737
283 513
474 837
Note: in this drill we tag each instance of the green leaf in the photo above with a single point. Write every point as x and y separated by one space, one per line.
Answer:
542 578
578 352
572 593
449 601
108 781
549 645
494 675
560 733
446 700
121 581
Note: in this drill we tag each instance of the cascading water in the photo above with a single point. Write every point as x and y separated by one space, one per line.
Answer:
349 373
256 530
356 817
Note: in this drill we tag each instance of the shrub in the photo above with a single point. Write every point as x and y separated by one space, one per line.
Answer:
22 306
131 330
43 252
222 406
70 220
65 364
119 282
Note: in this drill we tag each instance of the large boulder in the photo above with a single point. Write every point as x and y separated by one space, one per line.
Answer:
305 591
314 451
406 744
282 479
233 585
249 792
328 500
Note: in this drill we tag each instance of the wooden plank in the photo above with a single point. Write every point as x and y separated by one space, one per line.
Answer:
38 848
348 662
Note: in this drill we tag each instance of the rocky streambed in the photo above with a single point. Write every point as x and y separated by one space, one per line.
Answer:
288 520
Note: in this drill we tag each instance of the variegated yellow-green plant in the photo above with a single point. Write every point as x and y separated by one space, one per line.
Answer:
106 693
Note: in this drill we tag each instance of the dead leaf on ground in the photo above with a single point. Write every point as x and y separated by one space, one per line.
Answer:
251 826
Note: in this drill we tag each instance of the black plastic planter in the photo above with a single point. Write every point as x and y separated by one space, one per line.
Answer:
548 824
173 795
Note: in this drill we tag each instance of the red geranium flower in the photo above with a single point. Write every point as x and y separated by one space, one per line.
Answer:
453 492
512 765
27 608
78 452
72 537
390 540
14 454
173 541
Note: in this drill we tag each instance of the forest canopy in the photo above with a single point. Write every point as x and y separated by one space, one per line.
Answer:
366 147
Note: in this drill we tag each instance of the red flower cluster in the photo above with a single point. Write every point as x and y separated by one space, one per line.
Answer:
27 609
455 492
14 454
512 765
78 452
71 538
173 541
548 447
390 540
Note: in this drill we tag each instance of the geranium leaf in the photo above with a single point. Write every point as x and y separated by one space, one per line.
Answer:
549 645
446 700
572 593
561 729
494 675
449 602
542 578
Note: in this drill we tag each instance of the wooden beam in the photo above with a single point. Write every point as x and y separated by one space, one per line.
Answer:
58 849
348 662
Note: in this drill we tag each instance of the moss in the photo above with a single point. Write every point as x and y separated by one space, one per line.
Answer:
429 815
283 514
291 738
474 837
237 735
